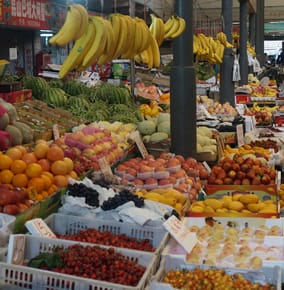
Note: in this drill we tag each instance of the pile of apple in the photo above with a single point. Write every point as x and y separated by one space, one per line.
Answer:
166 171
261 117
241 171
85 147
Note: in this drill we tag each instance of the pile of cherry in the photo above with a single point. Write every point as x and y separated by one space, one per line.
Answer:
91 262
107 238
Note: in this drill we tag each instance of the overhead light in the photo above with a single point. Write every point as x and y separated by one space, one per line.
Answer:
45 30
46 34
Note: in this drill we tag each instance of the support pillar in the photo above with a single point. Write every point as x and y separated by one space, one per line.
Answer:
183 87
259 34
226 71
252 19
243 42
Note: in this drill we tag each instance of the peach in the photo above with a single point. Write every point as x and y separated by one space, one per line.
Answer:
145 168
164 181
151 180
137 181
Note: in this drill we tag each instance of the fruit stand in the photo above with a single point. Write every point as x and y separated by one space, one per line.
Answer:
91 196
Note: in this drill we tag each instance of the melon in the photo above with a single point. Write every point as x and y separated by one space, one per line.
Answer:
17 137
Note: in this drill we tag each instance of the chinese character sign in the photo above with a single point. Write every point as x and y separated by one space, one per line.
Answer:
26 13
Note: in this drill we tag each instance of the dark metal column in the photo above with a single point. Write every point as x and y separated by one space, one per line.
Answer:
243 42
252 19
183 88
226 72
259 35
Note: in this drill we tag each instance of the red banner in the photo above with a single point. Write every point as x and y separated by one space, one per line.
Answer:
25 13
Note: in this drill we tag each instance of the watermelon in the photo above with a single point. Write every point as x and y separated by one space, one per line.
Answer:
75 88
55 97
36 84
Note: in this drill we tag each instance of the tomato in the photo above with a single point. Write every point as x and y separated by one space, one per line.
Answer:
11 209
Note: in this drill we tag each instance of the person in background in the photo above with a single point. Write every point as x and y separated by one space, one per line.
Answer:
280 57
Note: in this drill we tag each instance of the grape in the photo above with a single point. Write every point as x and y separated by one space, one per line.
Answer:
81 190
121 198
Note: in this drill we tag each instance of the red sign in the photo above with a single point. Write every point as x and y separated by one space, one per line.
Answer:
25 13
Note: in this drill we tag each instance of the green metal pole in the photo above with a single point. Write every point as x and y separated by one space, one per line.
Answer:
183 87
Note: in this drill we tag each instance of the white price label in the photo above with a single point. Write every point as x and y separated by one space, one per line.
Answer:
240 135
207 167
37 227
55 130
105 167
16 248
180 233
136 137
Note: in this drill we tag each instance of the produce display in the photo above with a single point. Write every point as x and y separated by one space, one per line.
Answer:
210 279
90 32
206 48
109 239
237 203
242 171
91 262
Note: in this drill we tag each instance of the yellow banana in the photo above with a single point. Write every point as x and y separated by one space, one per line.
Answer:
80 48
222 37
174 28
157 29
69 29
131 28
84 19
144 55
168 24
117 19
181 27
99 43
146 39
110 44
155 52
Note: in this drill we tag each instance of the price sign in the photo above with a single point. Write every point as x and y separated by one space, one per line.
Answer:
55 130
240 135
37 227
136 137
207 167
105 167
16 247
180 233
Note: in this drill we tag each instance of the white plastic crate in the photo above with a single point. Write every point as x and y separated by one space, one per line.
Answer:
67 224
14 277
269 275
3 253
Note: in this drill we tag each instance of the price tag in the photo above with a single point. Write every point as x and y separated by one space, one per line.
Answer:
136 137
16 247
180 233
55 130
37 227
240 135
207 167
105 167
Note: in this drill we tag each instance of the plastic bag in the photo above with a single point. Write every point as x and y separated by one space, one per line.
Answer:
236 70
6 228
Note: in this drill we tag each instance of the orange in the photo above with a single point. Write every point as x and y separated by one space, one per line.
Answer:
20 180
60 181
5 161
47 180
41 141
44 193
21 148
6 176
37 183
69 163
55 153
40 150
29 157
45 164
18 166
59 167
52 189
39 197
49 174
33 170
14 153
73 174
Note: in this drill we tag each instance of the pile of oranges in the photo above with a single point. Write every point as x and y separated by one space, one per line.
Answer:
40 172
